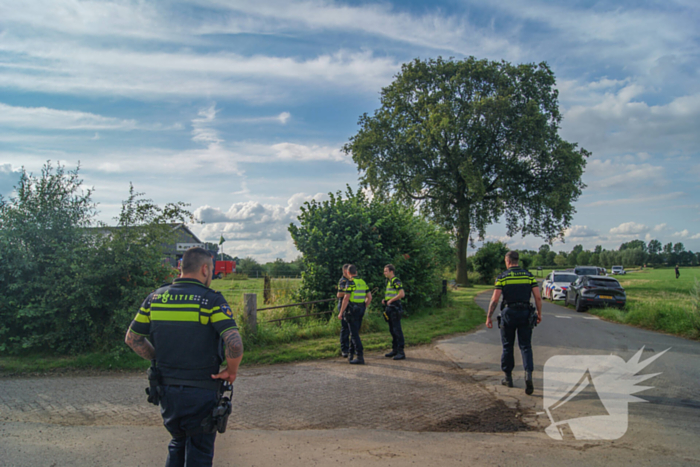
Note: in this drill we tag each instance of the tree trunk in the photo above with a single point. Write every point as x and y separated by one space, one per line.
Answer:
462 243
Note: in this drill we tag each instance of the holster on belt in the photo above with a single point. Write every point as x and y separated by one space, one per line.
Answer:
154 382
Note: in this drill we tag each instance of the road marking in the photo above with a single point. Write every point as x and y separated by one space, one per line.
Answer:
563 317
590 317
540 413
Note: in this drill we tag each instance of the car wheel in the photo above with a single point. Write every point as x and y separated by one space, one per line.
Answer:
579 306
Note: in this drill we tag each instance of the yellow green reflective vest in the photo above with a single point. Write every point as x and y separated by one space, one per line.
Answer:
393 286
357 288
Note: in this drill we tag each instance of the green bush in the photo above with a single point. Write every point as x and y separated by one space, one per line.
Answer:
489 260
370 234
66 287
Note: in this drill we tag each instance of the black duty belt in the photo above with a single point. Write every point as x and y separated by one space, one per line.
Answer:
214 384
518 305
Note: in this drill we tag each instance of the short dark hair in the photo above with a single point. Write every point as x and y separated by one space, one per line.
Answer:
352 269
512 256
391 268
345 266
193 259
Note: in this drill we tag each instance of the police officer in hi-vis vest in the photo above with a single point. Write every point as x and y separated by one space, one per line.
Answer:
356 300
180 327
346 348
516 285
392 315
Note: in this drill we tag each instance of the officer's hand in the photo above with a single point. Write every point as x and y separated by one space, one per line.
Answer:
340 316
225 376
489 323
383 302
539 318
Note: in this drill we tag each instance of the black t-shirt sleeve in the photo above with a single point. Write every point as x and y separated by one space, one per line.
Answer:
221 314
141 324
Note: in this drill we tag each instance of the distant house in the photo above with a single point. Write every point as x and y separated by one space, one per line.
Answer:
184 239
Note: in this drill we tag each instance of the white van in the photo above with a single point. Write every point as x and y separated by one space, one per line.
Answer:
618 270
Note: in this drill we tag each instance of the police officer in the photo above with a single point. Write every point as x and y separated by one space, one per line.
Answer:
346 348
516 285
181 326
392 299
356 299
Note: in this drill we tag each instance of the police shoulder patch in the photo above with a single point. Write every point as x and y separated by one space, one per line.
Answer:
225 309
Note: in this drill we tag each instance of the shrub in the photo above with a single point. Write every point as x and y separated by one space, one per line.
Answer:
370 234
64 286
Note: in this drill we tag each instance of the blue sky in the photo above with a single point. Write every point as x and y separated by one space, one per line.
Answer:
241 108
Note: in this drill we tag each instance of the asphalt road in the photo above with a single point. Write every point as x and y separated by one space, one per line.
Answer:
668 424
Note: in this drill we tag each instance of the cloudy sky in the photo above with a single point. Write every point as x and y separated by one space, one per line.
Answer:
240 107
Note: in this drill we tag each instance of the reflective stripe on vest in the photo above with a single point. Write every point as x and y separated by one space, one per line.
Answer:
358 295
391 290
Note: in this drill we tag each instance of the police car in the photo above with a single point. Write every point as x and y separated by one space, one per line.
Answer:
556 284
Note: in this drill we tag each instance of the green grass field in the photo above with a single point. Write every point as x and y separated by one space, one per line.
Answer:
295 340
657 300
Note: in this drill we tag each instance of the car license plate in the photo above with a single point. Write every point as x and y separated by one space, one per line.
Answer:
609 297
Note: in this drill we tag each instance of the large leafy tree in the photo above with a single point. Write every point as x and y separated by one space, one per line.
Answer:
471 141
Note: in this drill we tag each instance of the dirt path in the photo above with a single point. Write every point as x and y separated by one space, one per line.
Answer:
426 392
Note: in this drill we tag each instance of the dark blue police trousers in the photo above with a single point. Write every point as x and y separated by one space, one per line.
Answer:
183 409
516 321
353 315
345 341
393 313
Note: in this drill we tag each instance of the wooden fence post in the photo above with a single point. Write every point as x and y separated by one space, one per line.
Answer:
250 301
267 295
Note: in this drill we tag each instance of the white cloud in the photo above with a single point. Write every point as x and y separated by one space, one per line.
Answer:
300 152
73 68
695 237
629 228
53 119
660 227
252 220
282 118
580 231
201 131
624 122
9 176
682 234
604 174
637 200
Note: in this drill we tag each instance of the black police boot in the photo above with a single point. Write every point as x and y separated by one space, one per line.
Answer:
345 354
529 387
360 360
400 355
508 380
390 354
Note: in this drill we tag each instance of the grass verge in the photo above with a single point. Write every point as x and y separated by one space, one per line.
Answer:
289 342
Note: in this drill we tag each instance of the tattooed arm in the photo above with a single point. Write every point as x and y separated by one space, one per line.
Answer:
492 307
140 345
234 355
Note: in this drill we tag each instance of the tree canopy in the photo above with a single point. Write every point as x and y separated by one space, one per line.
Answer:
471 141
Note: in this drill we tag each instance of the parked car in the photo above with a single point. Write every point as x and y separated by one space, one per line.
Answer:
556 284
618 270
595 291
586 270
